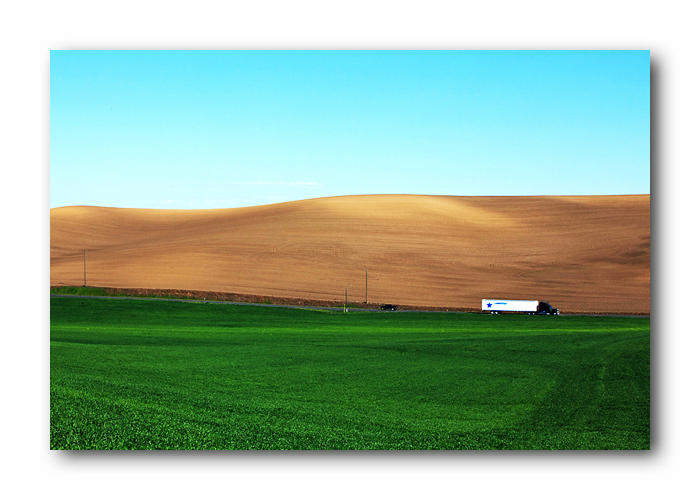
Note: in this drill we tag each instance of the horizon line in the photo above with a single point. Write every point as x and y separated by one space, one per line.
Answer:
365 195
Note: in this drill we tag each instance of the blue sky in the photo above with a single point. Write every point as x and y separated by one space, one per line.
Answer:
217 129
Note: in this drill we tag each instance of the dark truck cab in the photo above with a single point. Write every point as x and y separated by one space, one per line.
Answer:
545 308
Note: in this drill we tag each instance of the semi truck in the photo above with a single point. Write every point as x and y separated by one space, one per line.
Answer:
495 306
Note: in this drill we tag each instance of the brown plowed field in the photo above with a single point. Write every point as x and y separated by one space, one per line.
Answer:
585 254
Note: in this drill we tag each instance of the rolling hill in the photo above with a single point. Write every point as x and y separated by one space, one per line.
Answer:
580 253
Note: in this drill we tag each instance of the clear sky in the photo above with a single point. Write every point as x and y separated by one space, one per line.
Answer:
217 129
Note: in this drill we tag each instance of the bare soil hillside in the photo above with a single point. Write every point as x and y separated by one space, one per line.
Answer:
580 253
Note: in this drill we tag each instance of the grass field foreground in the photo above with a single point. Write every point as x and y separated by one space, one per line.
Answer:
140 374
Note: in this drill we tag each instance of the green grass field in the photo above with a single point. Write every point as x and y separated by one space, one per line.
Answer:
145 374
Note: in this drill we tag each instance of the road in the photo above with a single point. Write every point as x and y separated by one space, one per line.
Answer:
198 301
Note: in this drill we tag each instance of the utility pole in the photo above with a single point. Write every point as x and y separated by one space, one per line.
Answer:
366 302
84 271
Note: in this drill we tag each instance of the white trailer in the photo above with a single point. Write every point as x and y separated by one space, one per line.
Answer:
494 306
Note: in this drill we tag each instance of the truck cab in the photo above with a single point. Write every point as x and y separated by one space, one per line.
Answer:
545 308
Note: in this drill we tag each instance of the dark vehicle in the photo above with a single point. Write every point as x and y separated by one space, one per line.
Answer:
390 307
544 308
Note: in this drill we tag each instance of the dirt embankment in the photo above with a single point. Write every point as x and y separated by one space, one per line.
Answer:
254 299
